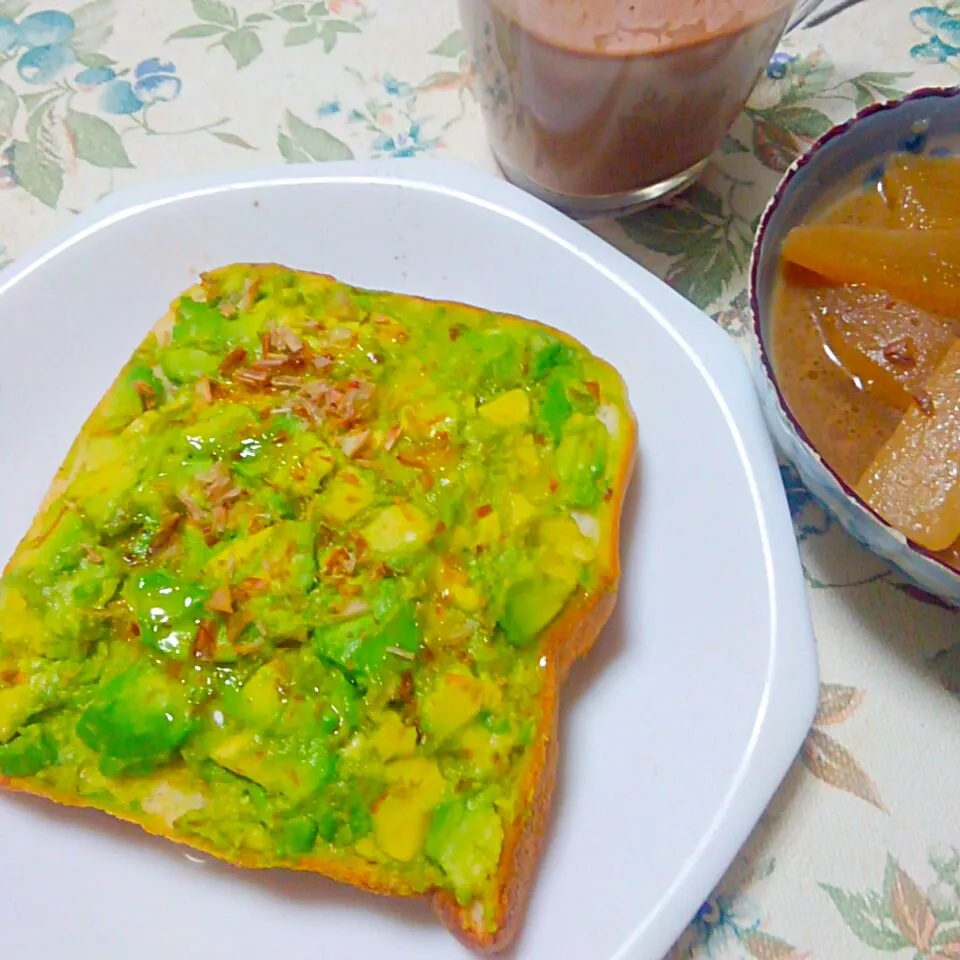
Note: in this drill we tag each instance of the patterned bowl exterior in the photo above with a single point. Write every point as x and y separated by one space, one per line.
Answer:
926 121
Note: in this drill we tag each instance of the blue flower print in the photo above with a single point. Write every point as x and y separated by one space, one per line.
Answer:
119 99
933 51
943 30
798 496
42 64
9 35
803 505
729 923
394 122
8 173
406 144
153 66
93 77
159 87
396 88
719 922
46 27
155 81
779 65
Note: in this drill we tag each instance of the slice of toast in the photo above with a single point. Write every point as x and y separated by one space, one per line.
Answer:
305 588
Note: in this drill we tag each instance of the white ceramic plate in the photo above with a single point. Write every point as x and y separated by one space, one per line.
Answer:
676 730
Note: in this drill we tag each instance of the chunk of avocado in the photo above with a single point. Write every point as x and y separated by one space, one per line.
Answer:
400 825
531 605
186 364
16 706
308 463
486 749
260 699
398 530
299 834
199 325
509 409
341 642
168 611
363 647
416 776
136 389
555 406
394 738
110 472
283 552
340 715
290 557
582 460
28 753
388 596
348 494
296 768
137 720
19 624
61 546
244 331
241 557
465 840
94 583
497 357
451 703
402 631
547 353
221 429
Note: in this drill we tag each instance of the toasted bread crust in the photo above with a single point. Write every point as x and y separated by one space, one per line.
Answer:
570 637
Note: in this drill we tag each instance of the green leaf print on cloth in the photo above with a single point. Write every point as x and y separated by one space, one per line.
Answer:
704 232
452 45
95 141
297 23
904 916
826 758
300 142
801 97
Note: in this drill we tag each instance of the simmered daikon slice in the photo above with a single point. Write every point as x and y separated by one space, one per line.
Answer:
921 267
888 347
914 480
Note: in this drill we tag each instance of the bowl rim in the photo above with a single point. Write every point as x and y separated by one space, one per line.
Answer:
927 557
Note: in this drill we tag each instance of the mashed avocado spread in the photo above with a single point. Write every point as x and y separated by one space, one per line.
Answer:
288 599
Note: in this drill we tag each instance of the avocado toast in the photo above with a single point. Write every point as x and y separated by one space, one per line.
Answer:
304 590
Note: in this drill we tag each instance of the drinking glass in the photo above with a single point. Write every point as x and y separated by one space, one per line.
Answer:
601 107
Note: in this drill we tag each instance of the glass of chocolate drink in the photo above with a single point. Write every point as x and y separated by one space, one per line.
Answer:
601 107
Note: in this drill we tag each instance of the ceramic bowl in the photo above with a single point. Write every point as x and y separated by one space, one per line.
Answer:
927 121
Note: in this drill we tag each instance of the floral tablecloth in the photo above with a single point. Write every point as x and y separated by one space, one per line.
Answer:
859 854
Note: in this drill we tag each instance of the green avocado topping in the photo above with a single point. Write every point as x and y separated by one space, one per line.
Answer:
291 598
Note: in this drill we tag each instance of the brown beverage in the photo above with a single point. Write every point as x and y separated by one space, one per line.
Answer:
593 98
